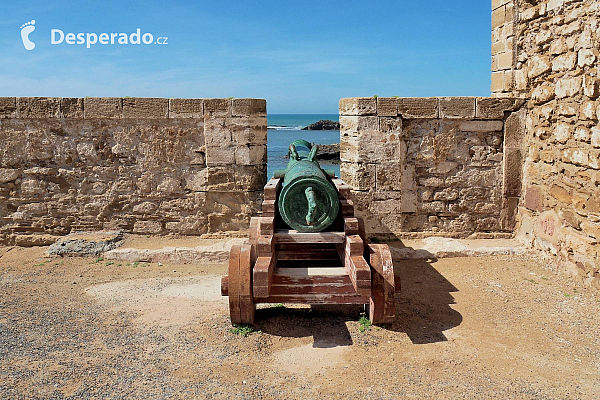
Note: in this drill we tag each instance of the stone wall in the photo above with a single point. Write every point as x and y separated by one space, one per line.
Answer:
144 165
556 59
420 166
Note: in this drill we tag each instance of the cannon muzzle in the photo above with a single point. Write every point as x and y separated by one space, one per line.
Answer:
308 201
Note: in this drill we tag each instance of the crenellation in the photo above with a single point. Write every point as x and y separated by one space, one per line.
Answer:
142 165
432 167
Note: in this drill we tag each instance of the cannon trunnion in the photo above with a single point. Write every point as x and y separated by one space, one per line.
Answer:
308 247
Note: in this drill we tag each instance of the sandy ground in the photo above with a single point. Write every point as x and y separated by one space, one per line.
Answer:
492 327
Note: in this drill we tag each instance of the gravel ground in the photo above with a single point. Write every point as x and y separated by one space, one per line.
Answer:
489 327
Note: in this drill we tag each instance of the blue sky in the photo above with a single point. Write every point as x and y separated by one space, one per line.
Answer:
302 56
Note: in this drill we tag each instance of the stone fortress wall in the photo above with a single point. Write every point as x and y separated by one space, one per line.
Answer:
548 53
446 166
143 165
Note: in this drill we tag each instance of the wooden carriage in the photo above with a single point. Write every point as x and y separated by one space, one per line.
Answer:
280 265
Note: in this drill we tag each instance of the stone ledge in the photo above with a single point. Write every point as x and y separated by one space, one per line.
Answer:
128 107
430 107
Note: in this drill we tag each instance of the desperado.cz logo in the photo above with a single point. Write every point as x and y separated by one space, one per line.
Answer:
57 36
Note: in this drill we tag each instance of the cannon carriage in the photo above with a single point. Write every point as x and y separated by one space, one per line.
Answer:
308 247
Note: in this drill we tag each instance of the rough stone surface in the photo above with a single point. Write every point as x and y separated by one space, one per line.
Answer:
86 243
127 164
209 254
555 42
441 175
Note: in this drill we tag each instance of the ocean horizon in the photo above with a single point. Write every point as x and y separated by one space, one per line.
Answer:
283 129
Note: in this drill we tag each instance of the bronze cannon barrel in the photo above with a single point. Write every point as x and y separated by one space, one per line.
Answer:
308 201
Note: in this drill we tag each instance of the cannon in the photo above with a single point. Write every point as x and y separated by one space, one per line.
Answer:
308 247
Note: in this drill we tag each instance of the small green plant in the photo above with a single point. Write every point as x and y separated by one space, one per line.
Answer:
374 96
109 263
566 294
396 97
278 305
532 281
119 265
99 259
241 330
364 323
135 264
147 236
544 278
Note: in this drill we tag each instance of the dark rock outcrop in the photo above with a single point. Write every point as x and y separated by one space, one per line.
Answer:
323 125
327 152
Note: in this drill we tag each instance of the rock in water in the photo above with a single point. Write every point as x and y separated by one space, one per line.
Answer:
327 152
323 125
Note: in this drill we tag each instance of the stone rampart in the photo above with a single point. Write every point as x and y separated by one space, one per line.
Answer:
143 165
449 166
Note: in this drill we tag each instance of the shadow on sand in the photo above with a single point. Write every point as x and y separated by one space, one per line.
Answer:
423 310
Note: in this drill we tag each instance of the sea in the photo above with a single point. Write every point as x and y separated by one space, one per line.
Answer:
283 129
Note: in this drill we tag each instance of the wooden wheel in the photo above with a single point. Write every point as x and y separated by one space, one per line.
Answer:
382 307
241 302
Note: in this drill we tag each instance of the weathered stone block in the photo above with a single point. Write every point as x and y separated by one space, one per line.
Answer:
457 107
71 107
359 125
220 156
514 130
8 107
196 225
543 94
389 178
391 126
418 107
249 107
433 207
145 107
221 178
591 86
217 108
9 174
250 155
494 108
217 132
38 107
513 166
250 177
568 87
481 126
375 148
562 132
196 180
387 106
358 176
498 17
148 227
248 130
504 60
508 214
102 107
586 57
564 62
596 136
408 202
498 82
186 108
538 65
358 106
533 198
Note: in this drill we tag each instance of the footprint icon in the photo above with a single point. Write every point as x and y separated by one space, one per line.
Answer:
26 29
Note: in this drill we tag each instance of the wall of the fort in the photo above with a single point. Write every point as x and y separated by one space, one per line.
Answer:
144 165
421 166
555 60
